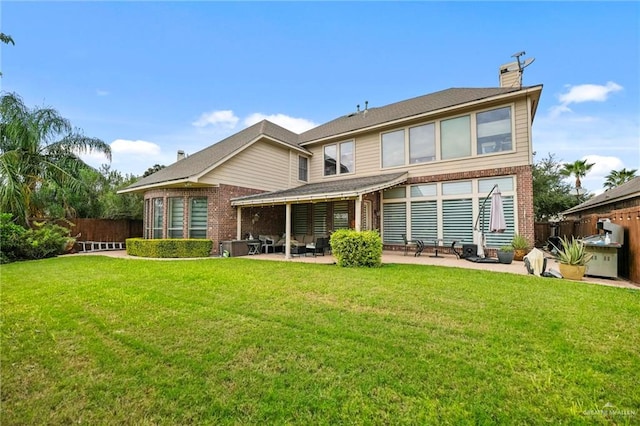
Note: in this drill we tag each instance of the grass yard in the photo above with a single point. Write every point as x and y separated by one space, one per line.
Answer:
97 340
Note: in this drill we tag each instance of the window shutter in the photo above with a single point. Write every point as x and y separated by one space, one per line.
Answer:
320 219
340 215
457 220
424 220
299 219
394 222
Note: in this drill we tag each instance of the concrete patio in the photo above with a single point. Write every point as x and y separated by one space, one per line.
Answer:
398 257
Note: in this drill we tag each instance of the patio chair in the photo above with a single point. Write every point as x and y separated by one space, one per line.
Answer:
412 243
267 242
321 244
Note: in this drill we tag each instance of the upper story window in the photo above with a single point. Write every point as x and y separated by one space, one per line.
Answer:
422 143
489 131
455 137
393 149
339 158
303 168
494 130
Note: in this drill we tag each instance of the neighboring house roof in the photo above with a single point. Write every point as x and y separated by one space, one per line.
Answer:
420 105
343 188
623 192
192 167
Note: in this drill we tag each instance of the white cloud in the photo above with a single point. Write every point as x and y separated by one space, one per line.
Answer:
124 146
297 125
101 92
225 118
584 93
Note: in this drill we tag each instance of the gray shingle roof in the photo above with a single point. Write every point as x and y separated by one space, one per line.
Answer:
404 109
201 161
626 190
325 190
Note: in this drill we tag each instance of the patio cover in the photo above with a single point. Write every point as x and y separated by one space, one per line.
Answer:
338 189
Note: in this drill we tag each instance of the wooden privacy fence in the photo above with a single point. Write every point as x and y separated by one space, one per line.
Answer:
103 231
627 218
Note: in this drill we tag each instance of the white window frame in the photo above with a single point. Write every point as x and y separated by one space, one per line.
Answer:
338 146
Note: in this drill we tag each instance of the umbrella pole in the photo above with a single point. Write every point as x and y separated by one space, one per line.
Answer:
481 212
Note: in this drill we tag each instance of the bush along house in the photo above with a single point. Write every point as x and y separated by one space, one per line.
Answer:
415 169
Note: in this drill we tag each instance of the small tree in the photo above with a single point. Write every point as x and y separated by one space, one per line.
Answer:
551 195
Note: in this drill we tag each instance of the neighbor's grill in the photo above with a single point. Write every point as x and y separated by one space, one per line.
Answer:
604 248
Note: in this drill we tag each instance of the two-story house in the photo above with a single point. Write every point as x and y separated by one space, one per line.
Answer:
421 167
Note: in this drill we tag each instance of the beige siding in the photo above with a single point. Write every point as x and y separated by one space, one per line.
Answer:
368 151
264 165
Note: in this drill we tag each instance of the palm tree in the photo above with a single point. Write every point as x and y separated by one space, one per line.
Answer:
578 168
38 147
618 177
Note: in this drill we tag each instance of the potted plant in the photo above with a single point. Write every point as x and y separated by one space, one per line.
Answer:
505 254
573 258
520 246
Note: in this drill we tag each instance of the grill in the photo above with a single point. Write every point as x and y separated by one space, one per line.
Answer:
604 247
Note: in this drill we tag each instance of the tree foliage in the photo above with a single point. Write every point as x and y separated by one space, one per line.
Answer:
6 39
551 195
39 149
152 170
578 169
618 177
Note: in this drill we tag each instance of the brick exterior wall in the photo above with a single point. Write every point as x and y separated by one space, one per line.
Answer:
221 217
270 220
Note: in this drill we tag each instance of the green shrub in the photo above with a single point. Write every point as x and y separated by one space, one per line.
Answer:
44 240
353 248
11 239
169 247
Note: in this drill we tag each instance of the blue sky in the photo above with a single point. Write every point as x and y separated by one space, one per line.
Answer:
151 78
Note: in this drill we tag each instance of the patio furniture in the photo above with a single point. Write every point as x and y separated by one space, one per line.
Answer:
254 246
318 247
410 243
267 242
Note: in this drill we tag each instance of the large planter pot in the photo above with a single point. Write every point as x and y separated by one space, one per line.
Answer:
519 254
505 257
572 272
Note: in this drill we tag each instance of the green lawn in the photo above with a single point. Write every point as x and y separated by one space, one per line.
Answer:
96 340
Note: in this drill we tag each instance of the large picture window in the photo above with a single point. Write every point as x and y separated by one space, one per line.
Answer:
198 218
455 137
339 158
494 130
176 217
448 211
158 217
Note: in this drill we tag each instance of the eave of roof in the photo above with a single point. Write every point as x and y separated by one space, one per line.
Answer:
324 191
623 192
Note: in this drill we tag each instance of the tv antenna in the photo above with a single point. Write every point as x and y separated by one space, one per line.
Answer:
520 65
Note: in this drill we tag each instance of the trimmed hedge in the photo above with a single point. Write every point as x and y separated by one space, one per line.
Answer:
169 247
353 248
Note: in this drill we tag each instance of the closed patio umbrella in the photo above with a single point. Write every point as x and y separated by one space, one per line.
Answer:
496 219
478 240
